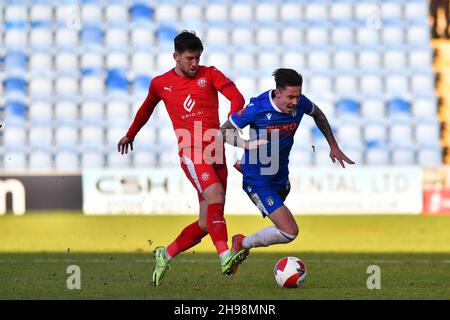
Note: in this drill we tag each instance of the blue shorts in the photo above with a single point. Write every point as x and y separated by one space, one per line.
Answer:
268 198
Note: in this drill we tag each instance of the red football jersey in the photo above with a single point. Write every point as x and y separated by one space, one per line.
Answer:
192 103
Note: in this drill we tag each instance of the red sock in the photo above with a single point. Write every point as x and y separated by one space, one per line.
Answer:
189 237
217 227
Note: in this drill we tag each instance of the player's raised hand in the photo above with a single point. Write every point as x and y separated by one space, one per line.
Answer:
337 154
123 144
254 144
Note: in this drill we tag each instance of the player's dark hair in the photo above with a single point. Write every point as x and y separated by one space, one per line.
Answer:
287 78
187 41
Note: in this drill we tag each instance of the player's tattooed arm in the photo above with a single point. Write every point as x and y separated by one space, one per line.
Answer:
322 123
231 136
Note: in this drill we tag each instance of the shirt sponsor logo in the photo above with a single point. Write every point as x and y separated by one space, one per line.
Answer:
189 103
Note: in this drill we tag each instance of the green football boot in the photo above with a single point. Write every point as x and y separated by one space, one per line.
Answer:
230 260
161 266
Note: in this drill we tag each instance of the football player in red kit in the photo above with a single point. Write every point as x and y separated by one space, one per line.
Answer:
190 94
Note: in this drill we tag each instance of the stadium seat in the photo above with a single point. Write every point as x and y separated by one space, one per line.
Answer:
40 64
403 156
371 85
219 59
117 60
66 112
66 136
424 108
141 14
40 112
344 60
393 36
92 159
92 87
15 63
346 86
242 35
367 38
116 15
67 39
349 132
391 10
241 12
142 38
395 60
114 133
243 61
396 85
399 109
91 111
267 37
190 11
40 136
14 160
41 12
291 36
66 64
320 83
315 11
319 61
91 136
401 134
115 159
67 160
418 36
342 36
290 11
147 137
267 62
40 160
168 157
144 159
166 12
66 87
216 12
15 39
317 36
423 84
165 35
217 36
340 11
301 157
377 153
91 38
41 38
369 61
266 12
294 60
420 60
375 130
414 11
14 135
348 109
427 133
429 156
91 14
116 39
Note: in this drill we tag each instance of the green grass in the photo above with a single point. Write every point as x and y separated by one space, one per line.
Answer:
113 254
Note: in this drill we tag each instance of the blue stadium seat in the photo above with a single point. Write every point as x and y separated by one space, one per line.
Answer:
348 108
116 82
399 109
165 35
141 14
92 38
15 63
15 112
15 84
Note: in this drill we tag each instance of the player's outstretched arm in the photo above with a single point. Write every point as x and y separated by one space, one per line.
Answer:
231 136
322 123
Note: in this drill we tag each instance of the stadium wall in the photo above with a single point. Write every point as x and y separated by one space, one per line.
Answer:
35 192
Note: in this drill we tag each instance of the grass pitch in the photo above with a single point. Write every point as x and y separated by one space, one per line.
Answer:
114 256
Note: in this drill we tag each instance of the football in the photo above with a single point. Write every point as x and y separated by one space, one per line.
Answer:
290 272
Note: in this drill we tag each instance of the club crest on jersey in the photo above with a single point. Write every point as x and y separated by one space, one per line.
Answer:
270 201
189 103
205 176
201 82
268 115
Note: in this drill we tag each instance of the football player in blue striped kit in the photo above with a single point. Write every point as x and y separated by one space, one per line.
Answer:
273 117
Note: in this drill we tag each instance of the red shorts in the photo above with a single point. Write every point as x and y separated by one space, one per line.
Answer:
202 175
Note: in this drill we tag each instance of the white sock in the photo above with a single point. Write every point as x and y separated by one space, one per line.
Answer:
265 237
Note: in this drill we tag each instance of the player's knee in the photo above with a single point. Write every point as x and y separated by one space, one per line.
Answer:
203 225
